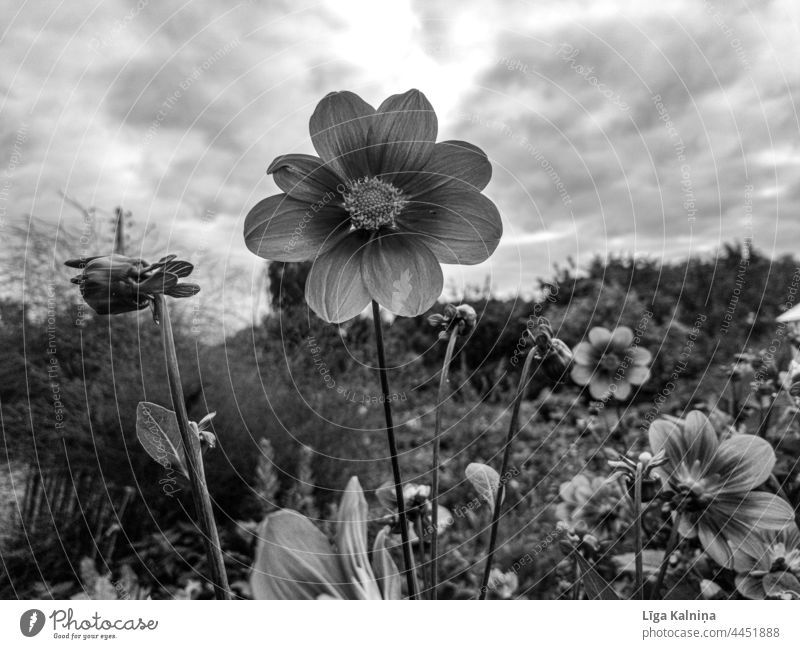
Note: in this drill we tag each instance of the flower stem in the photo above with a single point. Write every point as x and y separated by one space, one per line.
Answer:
423 563
408 560
513 430
638 592
672 543
194 458
443 380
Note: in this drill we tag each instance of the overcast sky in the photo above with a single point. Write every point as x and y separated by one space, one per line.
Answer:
659 128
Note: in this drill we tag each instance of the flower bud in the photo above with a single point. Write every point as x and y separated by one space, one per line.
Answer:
462 317
554 356
118 284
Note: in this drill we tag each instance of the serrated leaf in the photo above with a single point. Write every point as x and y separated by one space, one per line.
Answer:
158 433
595 586
485 480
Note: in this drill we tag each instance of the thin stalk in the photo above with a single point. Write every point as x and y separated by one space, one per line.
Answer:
423 563
766 415
408 560
576 587
637 532
443 381
513 430
194 458
672 543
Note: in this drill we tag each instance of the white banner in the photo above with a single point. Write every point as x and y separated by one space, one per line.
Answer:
384 625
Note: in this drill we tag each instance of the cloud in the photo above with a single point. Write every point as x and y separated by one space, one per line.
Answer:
656 128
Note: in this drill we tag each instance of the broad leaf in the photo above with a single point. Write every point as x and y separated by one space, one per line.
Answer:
485 480
595 586
158 433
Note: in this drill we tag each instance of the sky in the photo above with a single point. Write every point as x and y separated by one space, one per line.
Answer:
660 129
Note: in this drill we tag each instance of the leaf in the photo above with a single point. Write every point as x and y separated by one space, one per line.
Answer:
158 433
595 586
485 480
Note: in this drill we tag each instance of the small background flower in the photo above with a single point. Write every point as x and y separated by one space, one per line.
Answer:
609 363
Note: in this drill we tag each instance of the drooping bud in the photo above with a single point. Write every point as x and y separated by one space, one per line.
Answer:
462 317
117 284
554 355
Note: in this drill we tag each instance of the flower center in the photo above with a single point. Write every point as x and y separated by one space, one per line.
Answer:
610 361
373 203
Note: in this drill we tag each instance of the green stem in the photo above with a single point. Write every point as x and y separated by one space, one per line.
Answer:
194 458
513 430
408 560
638 592
443 380
672 543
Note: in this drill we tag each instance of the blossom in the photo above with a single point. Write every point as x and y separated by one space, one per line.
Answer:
294 559
418 507
711 485
609 363
504 584
774 570
118 284
380 208
598 502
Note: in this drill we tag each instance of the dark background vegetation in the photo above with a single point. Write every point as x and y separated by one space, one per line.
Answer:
99 493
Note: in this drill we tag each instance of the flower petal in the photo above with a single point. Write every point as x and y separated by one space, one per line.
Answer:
351 539
339 128
402 135
294 560
743 462
335 289
755 509
663 433
386 572
460 226
714 543
640 355
305 178
622 390
600 337
584 354
280 228
453 163
621 338
637 374
698 441
600 386
402 274
750 586
781 585
581 374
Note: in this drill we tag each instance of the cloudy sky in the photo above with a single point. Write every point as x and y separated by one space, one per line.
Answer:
657 128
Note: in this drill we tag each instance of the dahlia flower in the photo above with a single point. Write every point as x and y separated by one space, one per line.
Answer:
380 208
712 485
774 571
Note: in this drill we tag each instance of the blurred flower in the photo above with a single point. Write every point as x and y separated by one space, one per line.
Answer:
554 356
118 284
294 560
711 485
380 208
600 504
504 584
577 538
710 590
416 498
462 317
773 571
609 364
